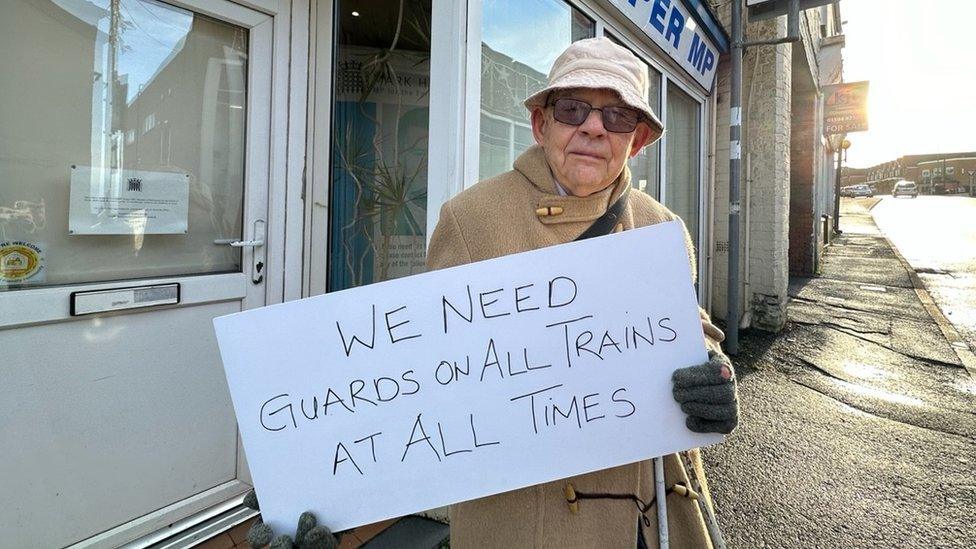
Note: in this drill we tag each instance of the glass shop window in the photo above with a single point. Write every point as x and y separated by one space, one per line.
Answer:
645 167
520 40
121 141
682 192
380 122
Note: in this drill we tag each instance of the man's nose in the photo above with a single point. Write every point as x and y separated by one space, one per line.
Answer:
593 125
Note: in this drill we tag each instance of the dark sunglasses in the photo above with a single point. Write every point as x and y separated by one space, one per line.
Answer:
615 119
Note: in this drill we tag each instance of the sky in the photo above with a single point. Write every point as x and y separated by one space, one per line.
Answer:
536 40
151 31
154 31
920 58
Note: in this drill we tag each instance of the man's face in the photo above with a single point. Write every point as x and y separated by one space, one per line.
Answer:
587 158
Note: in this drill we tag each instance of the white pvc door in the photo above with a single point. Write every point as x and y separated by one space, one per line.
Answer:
134 161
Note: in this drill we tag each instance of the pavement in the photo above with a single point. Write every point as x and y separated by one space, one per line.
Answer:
858 426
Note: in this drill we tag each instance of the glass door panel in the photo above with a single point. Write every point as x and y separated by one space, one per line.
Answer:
122 140
645 167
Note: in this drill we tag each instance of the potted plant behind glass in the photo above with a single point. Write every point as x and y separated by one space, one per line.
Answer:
382 151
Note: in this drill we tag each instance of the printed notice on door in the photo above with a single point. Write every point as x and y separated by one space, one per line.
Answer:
109 201
410 394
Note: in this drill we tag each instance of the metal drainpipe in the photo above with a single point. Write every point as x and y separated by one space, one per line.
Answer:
837 183
746 284
735 154
712 141
746 137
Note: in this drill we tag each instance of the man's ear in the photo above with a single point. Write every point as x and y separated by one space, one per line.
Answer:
538 124
642 136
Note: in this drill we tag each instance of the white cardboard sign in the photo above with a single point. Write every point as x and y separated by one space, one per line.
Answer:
414 393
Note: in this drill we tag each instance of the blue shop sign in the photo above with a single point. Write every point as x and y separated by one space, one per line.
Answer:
692 37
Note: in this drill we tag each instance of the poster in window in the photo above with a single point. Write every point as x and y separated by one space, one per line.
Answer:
111 201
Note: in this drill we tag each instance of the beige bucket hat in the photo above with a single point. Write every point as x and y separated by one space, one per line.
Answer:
599 63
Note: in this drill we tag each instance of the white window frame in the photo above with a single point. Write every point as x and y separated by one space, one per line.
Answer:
318 166
455 86
148 123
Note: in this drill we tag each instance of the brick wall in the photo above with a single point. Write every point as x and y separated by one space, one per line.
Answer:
803 233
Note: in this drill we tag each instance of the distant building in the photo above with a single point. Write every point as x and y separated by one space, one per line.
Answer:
945 175
942 173
854 176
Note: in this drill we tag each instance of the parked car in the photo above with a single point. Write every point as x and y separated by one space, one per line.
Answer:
904 188
861 191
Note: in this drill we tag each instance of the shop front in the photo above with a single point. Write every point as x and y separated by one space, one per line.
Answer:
383 160
164 163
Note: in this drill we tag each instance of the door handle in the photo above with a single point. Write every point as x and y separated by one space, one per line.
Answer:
257 244
239 243
246 243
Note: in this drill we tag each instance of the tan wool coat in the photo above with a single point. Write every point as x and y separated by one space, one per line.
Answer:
518 211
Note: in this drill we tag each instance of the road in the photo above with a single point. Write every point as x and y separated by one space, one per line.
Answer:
937 235
857 424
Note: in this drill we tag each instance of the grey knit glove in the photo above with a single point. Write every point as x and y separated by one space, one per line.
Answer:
309 535
707 394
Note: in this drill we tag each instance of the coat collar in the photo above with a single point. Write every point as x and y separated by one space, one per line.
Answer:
551 208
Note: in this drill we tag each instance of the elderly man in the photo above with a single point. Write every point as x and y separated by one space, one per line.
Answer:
574 183
590 119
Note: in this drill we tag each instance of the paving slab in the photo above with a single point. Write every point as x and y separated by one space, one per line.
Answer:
921 339
863 250
880 381
854 296
882 271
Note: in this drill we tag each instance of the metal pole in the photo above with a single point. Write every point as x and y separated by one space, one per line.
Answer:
661 495
837 194
711 522
735 155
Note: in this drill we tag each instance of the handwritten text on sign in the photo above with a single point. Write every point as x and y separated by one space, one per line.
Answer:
414 393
